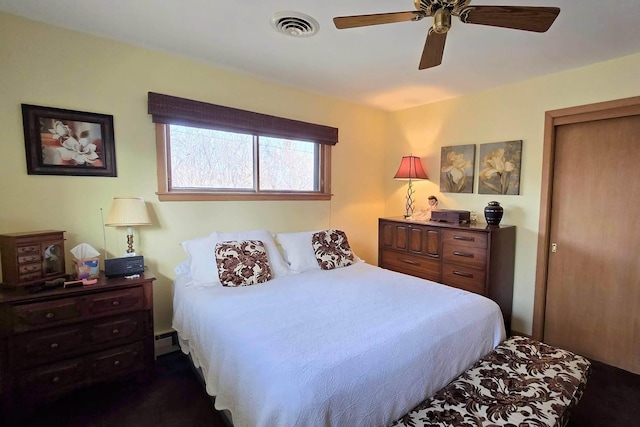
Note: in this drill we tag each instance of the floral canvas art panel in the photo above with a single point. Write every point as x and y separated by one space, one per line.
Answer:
66 142
456 168
500 168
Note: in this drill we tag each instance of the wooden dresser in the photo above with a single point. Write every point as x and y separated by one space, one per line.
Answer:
478 258
55 341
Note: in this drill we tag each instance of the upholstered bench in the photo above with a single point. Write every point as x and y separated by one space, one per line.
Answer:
522 382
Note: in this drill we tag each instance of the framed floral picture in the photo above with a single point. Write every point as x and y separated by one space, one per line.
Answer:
456 168
66 142
500 167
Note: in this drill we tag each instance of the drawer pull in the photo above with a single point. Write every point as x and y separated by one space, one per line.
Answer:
116 363
465 238
115 331
409 261
463 274
50 315
463 254
55 379
115 303
54 345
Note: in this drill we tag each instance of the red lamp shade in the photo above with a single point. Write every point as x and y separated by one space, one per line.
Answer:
411 168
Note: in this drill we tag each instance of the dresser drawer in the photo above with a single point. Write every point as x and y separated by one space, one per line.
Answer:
410 264
28 250
116 362
130 327
44 381
29 268
49 313
465 255
47 345
116 301
29 277
26 259
39 383
464 238
469 279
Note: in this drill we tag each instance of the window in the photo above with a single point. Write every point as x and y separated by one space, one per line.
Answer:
210 152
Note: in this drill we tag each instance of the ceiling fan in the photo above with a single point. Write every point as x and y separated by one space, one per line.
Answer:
527 18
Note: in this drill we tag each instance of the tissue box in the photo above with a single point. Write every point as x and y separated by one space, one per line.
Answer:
87 268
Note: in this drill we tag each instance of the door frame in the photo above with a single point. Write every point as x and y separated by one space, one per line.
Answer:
580 114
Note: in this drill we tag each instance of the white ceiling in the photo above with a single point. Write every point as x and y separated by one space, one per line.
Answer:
376 65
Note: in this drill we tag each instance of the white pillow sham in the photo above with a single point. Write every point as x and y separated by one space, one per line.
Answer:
202 257
298 251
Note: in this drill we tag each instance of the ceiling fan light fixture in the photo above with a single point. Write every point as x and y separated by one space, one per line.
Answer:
442 21
294 24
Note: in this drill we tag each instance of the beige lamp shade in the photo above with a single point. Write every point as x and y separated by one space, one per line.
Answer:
128 211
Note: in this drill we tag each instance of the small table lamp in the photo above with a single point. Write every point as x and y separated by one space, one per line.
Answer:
127 212
410 168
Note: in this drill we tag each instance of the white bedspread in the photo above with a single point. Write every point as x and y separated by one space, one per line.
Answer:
355 346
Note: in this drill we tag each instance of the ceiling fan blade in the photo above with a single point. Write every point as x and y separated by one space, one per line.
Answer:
527 18
342 22
433 50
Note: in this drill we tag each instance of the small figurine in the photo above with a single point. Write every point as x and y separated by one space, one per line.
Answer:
433 202
425 214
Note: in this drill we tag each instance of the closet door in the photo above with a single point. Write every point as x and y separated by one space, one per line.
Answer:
593 278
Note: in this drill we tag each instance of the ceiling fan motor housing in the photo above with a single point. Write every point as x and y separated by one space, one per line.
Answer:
442 21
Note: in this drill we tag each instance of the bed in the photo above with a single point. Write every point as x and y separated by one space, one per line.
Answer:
351 346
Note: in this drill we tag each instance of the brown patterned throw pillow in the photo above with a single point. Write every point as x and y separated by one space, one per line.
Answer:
332 250
242 263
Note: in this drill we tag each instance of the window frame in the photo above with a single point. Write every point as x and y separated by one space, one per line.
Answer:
167 193
171 110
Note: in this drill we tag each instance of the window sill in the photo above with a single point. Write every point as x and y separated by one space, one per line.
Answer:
186 196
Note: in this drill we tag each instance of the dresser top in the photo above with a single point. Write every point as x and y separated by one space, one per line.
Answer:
31 233
14 294
476 226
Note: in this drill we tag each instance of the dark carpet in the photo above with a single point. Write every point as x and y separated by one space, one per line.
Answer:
175 398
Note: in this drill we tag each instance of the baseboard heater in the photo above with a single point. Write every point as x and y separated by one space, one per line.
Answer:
166 343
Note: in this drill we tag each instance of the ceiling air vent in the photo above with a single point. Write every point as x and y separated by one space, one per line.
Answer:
294 24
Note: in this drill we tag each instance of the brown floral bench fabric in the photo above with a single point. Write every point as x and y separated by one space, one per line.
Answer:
521 383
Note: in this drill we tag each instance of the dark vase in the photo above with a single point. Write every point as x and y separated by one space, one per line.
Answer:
493 213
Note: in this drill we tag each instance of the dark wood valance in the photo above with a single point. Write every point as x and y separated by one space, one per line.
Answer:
173 110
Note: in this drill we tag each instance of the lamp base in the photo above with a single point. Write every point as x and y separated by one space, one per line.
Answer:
409 204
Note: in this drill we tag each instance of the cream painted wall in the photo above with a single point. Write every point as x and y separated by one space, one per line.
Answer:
46 66
507 113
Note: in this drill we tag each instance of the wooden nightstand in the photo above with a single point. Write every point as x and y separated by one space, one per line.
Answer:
56 341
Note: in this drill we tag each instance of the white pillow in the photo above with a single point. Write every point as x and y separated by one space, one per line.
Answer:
298 251
201 251
202 259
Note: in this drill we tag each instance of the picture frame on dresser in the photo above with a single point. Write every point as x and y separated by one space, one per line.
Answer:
67 142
